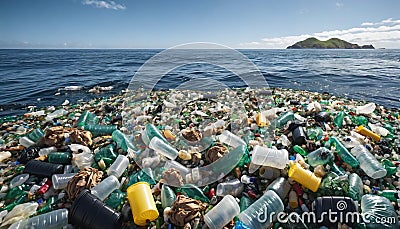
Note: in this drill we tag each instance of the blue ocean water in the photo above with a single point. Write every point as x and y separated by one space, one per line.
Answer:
44 77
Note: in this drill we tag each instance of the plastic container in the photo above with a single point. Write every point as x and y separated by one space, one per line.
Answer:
167 196
118 167
230 139
25 141
105 187
233 187
356 189
377 208
366 109
365 132
60 181
87 118
142 203
280 186
46 151
123 141
368 162
99 130
283 119
299 136
63 158
343 152
245 202
304 177
18 180
150 132
107 152
87 211
321 156
51 220
41 168
36 134
338 205
261 120
222 213
338 120
258 215
163 148
270 157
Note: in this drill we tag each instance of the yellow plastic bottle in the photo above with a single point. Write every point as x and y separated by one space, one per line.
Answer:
142 203
261 120
364 131
304 177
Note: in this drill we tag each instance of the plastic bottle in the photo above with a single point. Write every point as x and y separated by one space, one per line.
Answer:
46 151
222 213
245 202
299 150
18 180
304 177
350 142
119 166
261 120
25 141
51 220
142 203
377 208
343 152
338 120
280 186
356 189
366 109
392 195
315 133
56 114
63 158
107 154
269 172
167 196
87 118
123 141
20 211
230 139
163 148
270 157
105 187
283 119
100 130
368 162
60 181
321 156
293 200
361 120
258 215
150 132
36 135
299 136
365 132
41 168
233 187
379 130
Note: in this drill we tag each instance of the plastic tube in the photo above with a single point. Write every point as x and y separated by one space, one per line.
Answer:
222 213
364 131
304 177
270 157
51 220
41 168
230 139
60 181
163 148
118 167
142 203
233 187
105 187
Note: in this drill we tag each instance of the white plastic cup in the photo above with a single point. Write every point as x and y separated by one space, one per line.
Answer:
163 148
119 166
222 213
105 188
270 157
230 139
60 181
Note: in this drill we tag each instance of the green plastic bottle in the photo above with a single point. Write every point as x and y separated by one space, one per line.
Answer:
167 196
145 175
63 158
116 199
338 120
392 195
123 141
49 206
36 134
99 130
150 132
361 121
300 150
343 153
283 119
192 191
389 166
87 118
245 202
321 156
107 154
315 133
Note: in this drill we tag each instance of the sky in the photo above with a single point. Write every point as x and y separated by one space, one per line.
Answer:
166 23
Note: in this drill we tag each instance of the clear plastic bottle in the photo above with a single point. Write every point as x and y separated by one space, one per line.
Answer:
283 119
280 186
343 152
167 196
118 167
233 187
321 156
270 157
222 213
163 148
368 162
18 180
51 220
25 141
60 181
356 188
258 215
230 139
46 151
105 187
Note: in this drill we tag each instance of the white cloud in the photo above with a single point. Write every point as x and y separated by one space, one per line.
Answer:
104 4
385 34
339 4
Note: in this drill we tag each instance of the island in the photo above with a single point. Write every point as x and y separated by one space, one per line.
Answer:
333 43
